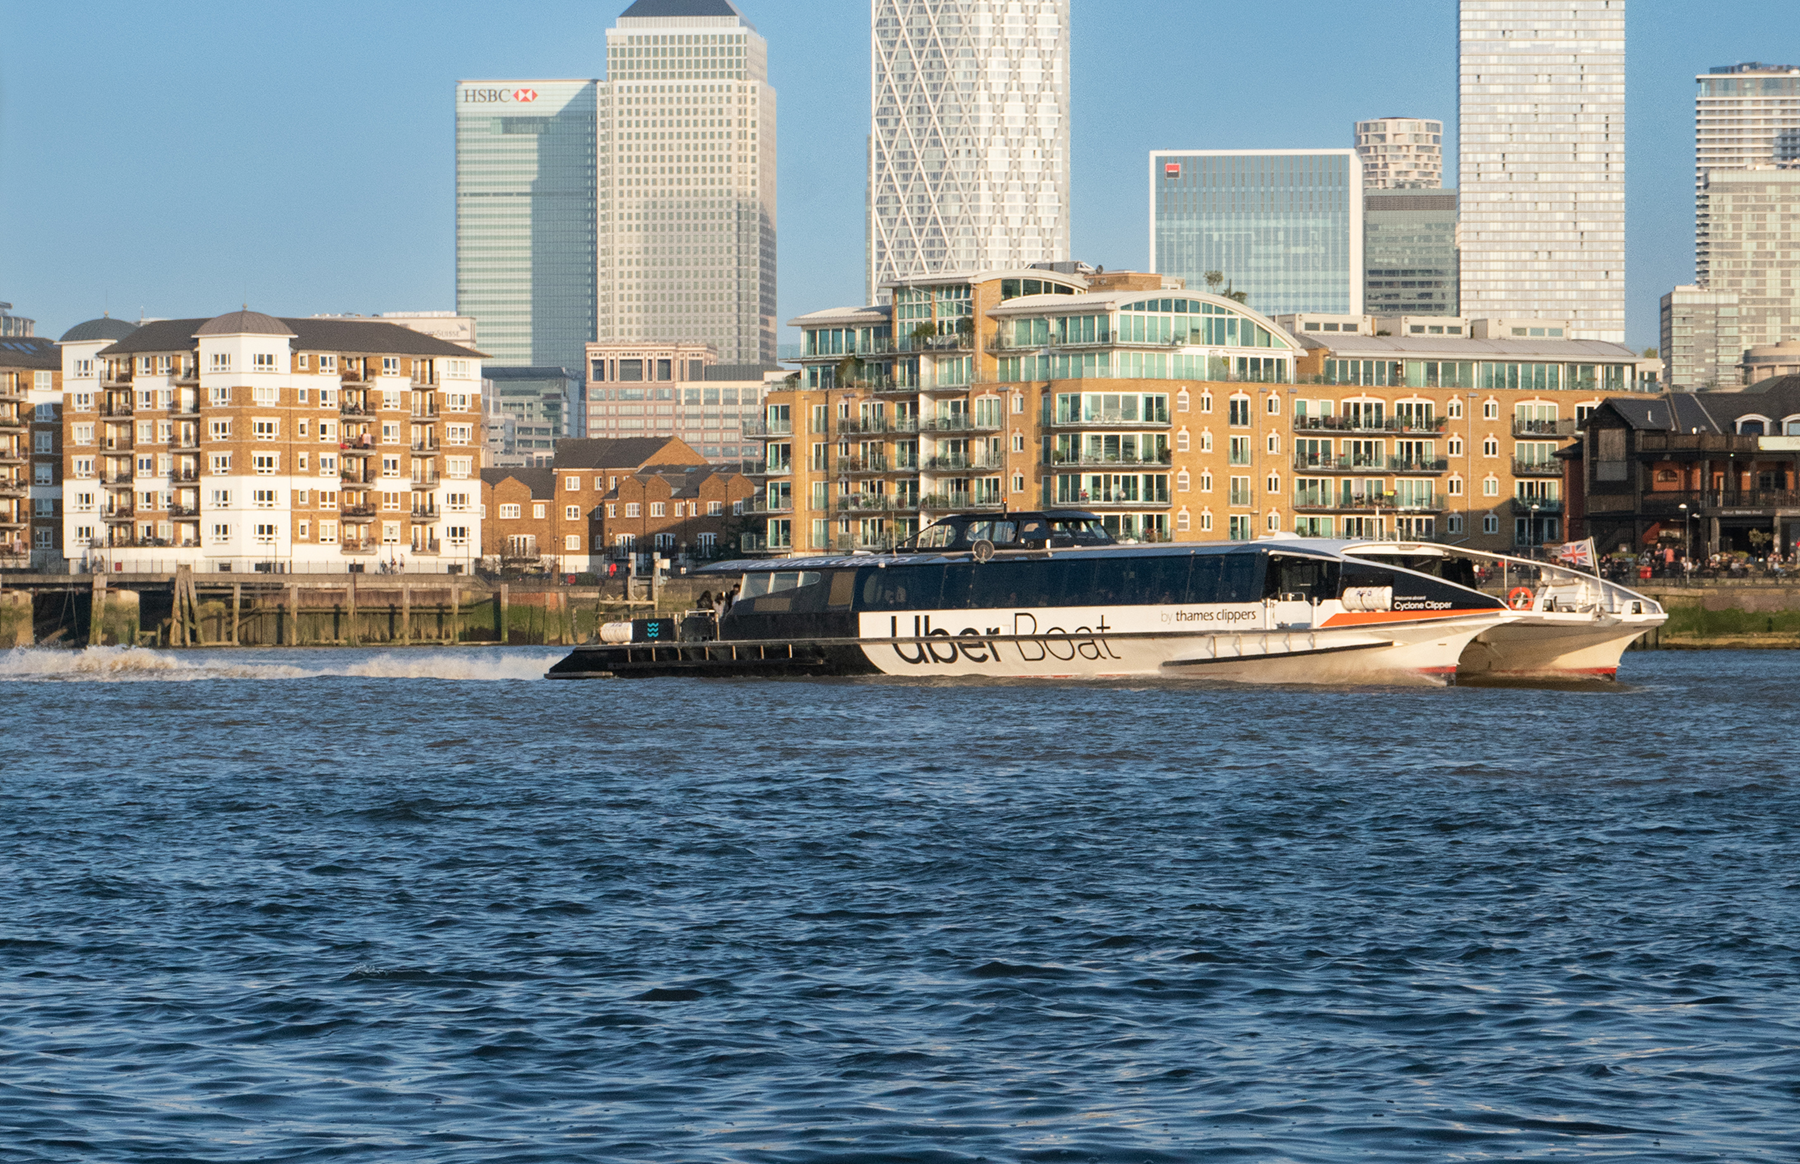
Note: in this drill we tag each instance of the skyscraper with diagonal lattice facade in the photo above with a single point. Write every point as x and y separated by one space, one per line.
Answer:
969 136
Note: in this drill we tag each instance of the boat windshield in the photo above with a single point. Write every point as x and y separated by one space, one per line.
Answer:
1079 531
763 582
1458 571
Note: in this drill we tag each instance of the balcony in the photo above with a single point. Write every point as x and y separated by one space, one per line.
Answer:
763 428
1698 442
113 516
962 464
1525 505
875 427
1537 468
427 546
426 513
852 466
11 421
954 502
184 511
359 547
764 469
764 506
358 512
963 423
1408 465
116 408
11 488
1107 420
875 503
1543 428
424 447
1368 502
1106 503
1101 461
1433 424
361 447
1307 463
353 410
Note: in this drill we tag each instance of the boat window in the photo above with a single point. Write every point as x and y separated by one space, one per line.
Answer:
1075 580
1001 533
753 585
1084 531
1301 579
1034 529
937 537
843 589
758 584
1226 578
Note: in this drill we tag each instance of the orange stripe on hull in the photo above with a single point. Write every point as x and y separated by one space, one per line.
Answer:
1373 617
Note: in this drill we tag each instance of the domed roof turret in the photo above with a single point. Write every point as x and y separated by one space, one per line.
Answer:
104 328
245 322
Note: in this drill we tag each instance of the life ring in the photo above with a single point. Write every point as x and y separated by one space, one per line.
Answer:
1520 598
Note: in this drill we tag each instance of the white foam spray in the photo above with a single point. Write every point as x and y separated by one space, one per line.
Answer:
137 664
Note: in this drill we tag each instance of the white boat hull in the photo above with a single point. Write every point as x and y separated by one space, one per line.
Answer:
1554 646
1082 644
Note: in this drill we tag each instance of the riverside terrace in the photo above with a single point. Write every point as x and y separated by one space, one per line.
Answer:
1698 473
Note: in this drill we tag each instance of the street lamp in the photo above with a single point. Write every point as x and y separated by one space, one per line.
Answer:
1531 528
1686 551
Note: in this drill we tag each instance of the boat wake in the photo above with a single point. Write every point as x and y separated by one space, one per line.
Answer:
137 664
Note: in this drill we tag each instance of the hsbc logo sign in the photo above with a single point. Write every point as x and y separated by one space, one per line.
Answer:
497 96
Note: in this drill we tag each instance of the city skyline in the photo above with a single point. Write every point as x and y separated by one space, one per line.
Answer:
251 227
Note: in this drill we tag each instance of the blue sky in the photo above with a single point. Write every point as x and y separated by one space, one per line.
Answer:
177 158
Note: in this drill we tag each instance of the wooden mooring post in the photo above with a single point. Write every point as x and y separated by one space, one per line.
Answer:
505 614
406 614
97 612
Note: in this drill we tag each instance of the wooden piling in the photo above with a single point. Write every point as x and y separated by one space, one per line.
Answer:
97 612
293 615
237 613
455 614
505 614
406 614
355 634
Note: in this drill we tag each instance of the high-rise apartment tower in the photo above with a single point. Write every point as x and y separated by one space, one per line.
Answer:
969 136
1401 153
1541 102
687 182
1745 116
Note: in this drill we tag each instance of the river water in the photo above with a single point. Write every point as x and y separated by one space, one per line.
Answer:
421 906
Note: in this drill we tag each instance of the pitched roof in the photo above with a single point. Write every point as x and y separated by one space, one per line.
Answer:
29 351
622 452
541 482
349 336
106 327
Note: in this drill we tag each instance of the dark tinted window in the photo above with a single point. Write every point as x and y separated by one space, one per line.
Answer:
1065 580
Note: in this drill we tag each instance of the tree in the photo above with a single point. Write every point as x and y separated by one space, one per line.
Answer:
1214 281
1650 353
849 371
922 333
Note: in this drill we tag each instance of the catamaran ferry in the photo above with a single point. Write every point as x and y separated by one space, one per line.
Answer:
1050 595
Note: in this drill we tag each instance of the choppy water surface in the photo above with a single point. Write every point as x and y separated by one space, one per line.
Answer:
296 906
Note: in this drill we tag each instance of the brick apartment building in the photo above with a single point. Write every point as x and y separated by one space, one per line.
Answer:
250 443
1174 414
30 478
605 499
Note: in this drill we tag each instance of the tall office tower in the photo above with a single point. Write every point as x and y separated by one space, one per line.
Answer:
687 182
1750 232
1542 109
1401 153
969 136
1701 346
1284 226
1745 116
525 203
1409 252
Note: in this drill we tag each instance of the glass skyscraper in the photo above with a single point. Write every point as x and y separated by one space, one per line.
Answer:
525 206
1285 226
1409 252
969 136
1541 100
687 181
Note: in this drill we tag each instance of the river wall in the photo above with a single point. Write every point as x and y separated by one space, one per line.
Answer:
417 611
1726 615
